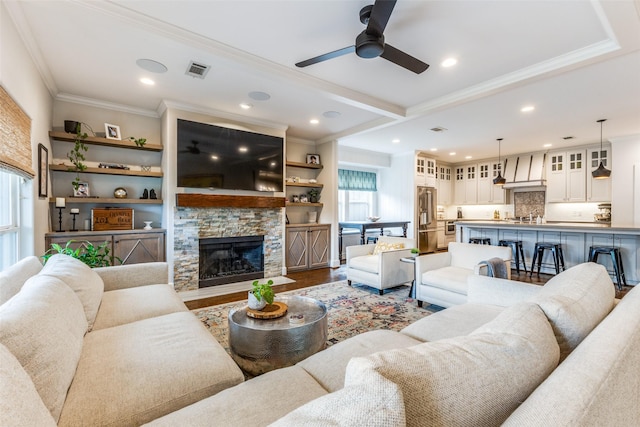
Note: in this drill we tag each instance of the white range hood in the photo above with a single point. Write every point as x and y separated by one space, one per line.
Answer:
525 171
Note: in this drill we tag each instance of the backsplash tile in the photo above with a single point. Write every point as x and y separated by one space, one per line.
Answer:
528 202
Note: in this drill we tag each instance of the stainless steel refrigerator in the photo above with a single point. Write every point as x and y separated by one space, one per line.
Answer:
426 203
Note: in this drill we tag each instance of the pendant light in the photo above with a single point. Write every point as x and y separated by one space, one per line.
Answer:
601 172
499 180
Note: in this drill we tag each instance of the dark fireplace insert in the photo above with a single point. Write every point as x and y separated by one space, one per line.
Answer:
230 259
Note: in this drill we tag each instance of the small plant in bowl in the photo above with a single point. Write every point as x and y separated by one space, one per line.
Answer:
415 252
261 295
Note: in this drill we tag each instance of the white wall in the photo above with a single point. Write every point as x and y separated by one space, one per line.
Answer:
20 78
625 193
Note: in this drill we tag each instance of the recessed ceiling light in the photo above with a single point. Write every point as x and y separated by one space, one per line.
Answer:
243 149
151 65
453 153
468 157
433 149
547 145
214 157
245 106
395 141
527 108
449 62
259 96
314 121
147 81
332 114
272 164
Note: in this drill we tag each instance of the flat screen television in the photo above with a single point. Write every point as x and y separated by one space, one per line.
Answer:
216 157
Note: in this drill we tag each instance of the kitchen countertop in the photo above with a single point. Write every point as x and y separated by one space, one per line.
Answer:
552 225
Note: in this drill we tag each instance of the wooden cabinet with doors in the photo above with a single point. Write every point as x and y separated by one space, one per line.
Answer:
488 192
443 184
307 247
566 176
130 246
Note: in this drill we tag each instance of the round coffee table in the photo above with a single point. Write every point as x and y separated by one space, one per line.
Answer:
262 345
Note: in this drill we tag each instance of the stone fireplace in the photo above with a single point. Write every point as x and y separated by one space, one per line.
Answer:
191 224
230 259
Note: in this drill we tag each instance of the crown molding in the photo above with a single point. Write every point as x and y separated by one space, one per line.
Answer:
75 99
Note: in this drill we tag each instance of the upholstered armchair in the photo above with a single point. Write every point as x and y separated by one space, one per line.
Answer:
380 270
442 277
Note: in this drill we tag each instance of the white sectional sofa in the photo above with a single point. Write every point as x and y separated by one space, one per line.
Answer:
110 346
566 354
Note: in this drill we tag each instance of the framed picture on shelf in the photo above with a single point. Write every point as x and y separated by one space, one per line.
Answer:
43 171
112 131
313 159
82 190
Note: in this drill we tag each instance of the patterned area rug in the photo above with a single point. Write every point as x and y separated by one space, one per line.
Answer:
351 310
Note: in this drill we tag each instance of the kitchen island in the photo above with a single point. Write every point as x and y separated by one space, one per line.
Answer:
576 239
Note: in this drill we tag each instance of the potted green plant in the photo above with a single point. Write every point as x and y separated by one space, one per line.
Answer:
138 141
93 256
261 295
415 252
314 195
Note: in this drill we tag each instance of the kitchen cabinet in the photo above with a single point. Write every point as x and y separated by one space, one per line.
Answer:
131 246
598 190
566 176
488 192
440 235
425 171
466 185
307 247
444 185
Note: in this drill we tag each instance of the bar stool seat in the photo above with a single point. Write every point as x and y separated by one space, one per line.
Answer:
518 253
556 251
616 259
480 240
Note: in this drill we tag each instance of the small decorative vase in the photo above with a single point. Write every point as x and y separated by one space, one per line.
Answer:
254 304
147 225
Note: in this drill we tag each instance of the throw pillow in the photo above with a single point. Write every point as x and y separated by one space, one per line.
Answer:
85 282
475 380
12 279
386 246
575 301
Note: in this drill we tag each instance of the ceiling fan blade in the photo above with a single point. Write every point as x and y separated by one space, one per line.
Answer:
326 56
380 16
402 59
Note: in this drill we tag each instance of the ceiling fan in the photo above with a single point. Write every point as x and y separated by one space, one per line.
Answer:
370 43
193 148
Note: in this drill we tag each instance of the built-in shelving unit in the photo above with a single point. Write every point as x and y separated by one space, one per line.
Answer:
106 171
111 201
95 140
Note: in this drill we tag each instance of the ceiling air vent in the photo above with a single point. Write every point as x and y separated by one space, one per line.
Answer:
197 70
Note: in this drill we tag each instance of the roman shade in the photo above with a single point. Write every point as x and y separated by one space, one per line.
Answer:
356 180
15 137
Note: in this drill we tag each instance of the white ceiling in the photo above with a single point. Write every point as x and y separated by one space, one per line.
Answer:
575 61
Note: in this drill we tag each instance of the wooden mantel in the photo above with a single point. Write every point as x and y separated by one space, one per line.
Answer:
225 201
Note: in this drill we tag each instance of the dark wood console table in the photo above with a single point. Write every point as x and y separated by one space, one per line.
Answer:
363 226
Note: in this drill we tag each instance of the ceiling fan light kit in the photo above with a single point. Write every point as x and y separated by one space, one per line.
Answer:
601 172
499 180
370 42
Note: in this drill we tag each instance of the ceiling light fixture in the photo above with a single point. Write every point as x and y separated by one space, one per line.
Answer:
433 149
243 149
499 180
547 145
396 141
453 153
449 62
468 157
527 109
601 172
245 106
147 81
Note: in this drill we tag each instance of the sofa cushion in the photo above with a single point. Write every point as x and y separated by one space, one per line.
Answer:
473 380
12 279
374 402
258 402
368 263
20 403
382 246
43 327
455 321
452 279
133 373
85 282
575 301
328 366
468 255
128 305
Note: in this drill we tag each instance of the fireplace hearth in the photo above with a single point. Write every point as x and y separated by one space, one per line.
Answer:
230 259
